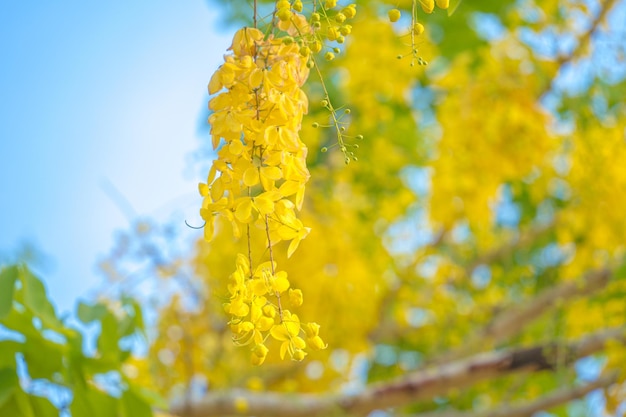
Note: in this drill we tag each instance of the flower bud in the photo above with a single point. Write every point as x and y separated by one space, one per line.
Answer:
394 15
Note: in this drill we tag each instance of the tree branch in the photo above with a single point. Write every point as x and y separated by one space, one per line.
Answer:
513 320
583 41
524 409
413 387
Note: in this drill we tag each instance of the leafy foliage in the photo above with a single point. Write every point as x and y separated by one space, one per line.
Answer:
44 369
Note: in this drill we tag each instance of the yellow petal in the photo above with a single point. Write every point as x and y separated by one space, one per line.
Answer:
280 283
256 78
264 204
256 360
212 173
258 286
286 233
272 173
215 84
295 297
283 349
427 5
298 342
203 189
279 332
244 210
260 350
269 311
235 147
300 198
251 176
255 313
317 343
264 323
243 262
217 189
298 355
289 188
209 229
239 308
292 247
311 329
267 183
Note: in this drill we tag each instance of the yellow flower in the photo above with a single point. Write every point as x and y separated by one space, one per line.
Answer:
295 297
259 353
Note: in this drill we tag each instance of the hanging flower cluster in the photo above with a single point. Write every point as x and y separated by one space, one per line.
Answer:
258 180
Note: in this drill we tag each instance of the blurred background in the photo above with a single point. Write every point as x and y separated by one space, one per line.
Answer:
101 109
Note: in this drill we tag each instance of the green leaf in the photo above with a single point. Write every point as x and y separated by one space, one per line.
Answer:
7 284
126 326
93 403
21 322
139 323
10 408
36 300
109 337
133 405
23 404
152 397
8 384
43 407
44 358
453 6
8 349
89 313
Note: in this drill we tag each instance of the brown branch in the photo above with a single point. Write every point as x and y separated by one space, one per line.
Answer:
583 41
388 328
419 385
524 409
585 38
513 320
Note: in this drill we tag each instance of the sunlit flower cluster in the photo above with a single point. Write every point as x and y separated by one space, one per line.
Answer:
258 180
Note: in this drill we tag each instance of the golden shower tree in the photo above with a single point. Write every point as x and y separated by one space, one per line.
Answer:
414 208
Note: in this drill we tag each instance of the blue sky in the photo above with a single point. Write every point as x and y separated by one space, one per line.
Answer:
98 95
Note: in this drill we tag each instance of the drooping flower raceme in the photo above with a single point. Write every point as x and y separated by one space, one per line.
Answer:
258 180
259 176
